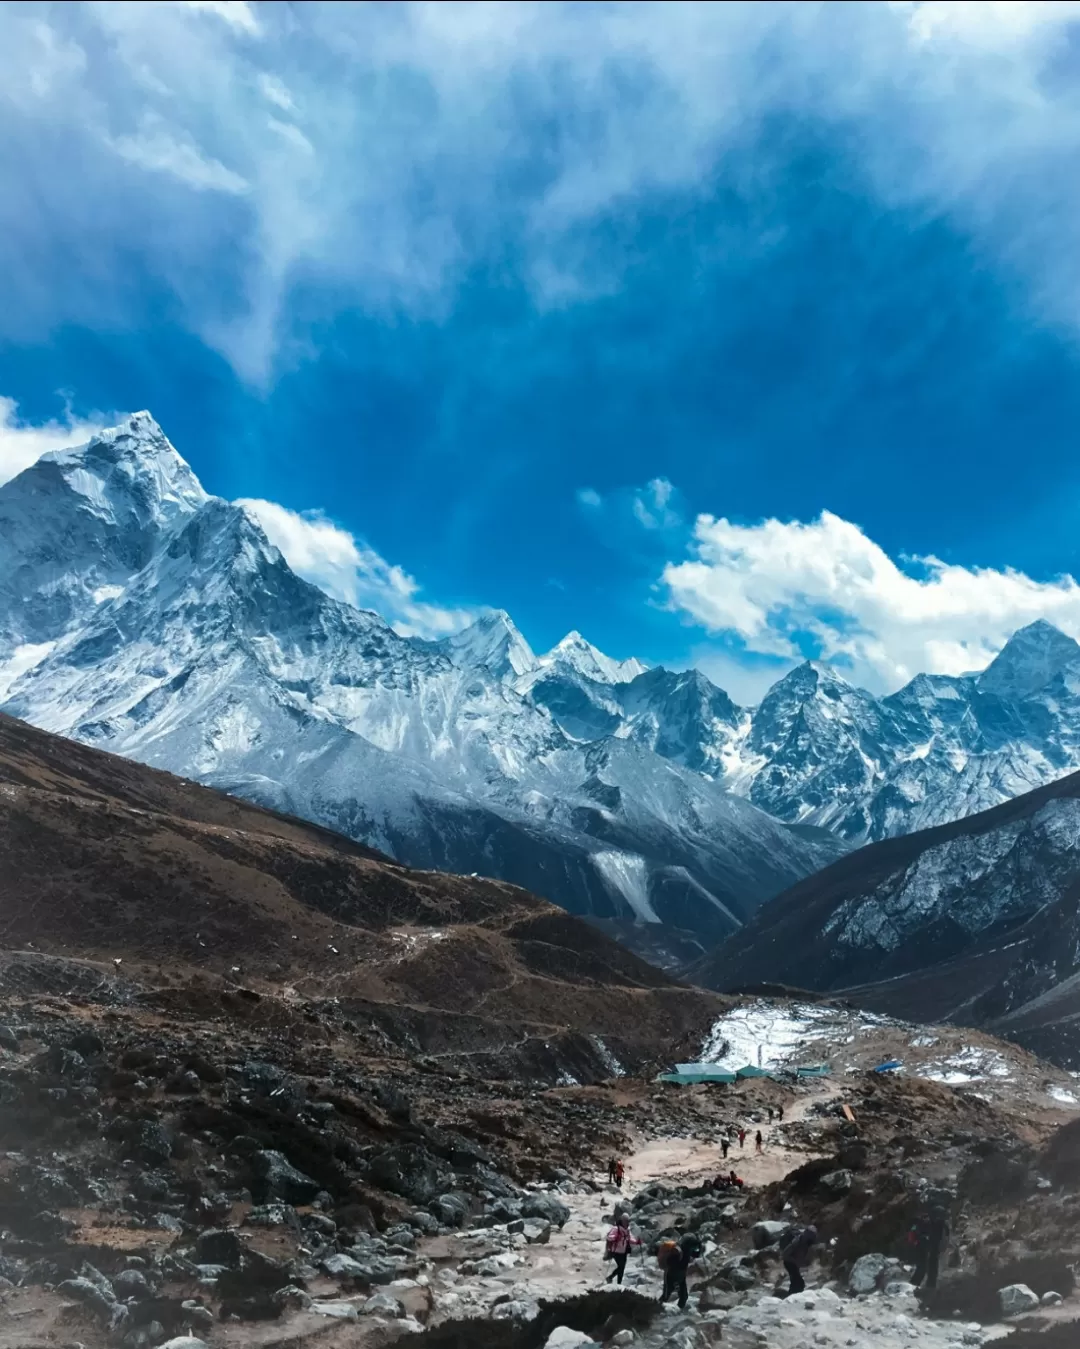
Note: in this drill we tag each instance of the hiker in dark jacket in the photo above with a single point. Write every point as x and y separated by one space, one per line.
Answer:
611 1170
929 1234
758 1141
677 1265
796 1255
724 1145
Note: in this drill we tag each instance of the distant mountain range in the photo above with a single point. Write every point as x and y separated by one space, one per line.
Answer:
141 615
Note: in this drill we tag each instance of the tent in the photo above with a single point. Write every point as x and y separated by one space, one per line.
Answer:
686 1073
813 1070
751 1071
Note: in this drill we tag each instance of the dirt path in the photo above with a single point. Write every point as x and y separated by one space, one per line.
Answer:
573 1260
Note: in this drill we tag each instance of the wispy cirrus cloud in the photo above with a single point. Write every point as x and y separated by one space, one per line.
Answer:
411 143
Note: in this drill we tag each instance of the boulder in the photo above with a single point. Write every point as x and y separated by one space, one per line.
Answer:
450 1209
408 1170
101 1303
536 1231
1051 1299
382 1304
836 1182
343 1267
565 1338
130 1283
341 1311
865 1273
1017 1298
545 1206
281 1180
218 1246
185 1342
767 1234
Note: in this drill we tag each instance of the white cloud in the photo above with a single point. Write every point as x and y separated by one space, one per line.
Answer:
782 588
155 148
421 115
652 505
22 442
331 558
589 497
237 13
274 91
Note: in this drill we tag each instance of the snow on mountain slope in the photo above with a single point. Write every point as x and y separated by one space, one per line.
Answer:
187 642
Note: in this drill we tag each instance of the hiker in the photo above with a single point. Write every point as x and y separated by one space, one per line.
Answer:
676 1260
611 1170
619 1241
619 1173
742 1138
928 1234
724 1145
735 1181
770 1114
758 1141
795 1254
780 1114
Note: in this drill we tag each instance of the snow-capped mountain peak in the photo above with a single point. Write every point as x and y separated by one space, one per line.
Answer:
575 653
493 643
1028 661
130 469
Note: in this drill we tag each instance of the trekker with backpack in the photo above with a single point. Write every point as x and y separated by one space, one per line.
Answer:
795 1252
929 1233
675 1259
619 1241
611 1170
619 1173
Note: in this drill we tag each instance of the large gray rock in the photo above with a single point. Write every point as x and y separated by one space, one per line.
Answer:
1017 1298
767 1234
866 1273
408 1170
281 1180
836 1182
545 1206
343 1267
185 1342
382 1304
537 1231
450 1209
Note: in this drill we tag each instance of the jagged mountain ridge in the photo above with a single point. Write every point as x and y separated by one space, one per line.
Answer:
975 922
140 614
158 622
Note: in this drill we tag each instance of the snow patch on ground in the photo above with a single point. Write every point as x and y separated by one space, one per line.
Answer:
776 1035
1062 1095
968 1065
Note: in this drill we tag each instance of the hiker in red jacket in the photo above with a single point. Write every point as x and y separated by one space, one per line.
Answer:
619 1173
619 1241
742 1138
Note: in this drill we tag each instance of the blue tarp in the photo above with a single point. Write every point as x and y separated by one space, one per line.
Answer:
889 1067
698 1072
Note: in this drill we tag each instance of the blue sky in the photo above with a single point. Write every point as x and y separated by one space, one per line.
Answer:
724 334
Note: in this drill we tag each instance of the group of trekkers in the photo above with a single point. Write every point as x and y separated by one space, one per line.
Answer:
926 1240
